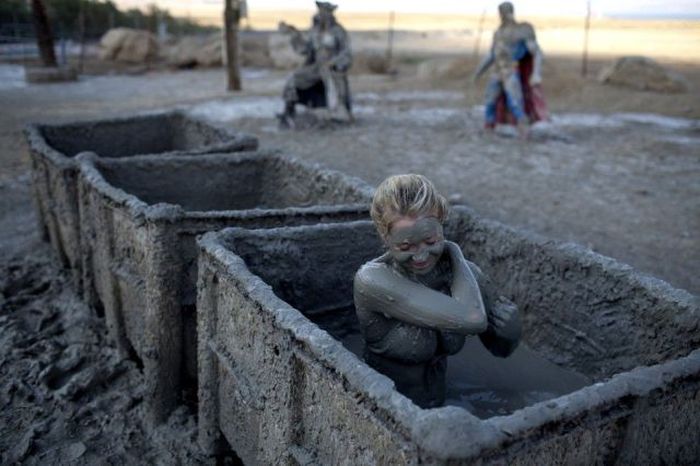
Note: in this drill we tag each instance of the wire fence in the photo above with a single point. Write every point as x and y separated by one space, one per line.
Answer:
18 38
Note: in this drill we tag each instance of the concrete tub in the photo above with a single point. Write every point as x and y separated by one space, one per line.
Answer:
283 391
140 219
52 149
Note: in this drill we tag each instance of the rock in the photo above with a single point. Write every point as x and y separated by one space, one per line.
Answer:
18 452
255 51
75 451
192 51
44 75
211 54
281 52
128 45
370 62
644 74
207 51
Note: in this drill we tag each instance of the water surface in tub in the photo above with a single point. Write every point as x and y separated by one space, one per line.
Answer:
483 384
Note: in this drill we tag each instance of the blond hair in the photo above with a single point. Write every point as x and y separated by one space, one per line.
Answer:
405 196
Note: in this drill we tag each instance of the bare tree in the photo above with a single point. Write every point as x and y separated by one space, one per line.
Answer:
44 38
232 18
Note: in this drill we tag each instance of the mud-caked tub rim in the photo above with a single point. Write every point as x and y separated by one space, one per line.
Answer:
468 435
235 140
36 140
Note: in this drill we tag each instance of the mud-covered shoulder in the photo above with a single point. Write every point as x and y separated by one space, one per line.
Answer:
370 271
526 30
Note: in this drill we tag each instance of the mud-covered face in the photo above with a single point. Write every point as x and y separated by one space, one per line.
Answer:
506 12
416 244
325 17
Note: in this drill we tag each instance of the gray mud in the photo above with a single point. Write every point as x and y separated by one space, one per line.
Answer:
67 396
630 191
477 381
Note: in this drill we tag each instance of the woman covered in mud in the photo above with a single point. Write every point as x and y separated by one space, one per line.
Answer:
418 301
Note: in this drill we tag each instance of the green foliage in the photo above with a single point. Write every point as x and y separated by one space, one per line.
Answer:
14 11
99 17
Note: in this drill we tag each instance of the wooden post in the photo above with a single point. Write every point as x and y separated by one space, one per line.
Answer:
232 17
477 44
44 38
81 29
584 59
390 41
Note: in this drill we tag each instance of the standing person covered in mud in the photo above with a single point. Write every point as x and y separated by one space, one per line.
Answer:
515 84
323 79
418 301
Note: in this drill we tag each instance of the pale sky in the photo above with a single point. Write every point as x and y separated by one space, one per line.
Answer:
672 8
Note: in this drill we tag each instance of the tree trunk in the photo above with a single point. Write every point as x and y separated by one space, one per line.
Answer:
232 17
44 38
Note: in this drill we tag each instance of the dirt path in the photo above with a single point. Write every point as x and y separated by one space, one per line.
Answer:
625 185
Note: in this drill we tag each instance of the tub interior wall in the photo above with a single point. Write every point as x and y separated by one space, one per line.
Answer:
324 263
188 133
257 182
580 310
118 138
314 273
194 186
126 137
300 185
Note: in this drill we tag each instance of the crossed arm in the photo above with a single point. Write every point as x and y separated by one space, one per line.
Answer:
380 288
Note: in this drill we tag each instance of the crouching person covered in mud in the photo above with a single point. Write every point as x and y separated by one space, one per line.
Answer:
323 79
418 301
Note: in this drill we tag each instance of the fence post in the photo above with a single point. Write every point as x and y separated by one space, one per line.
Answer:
43 33
232 16
390 40
477 45
584 59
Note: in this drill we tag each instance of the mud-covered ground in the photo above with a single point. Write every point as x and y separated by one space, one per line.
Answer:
609 172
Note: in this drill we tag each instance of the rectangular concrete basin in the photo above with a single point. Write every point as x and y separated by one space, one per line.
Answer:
281 389
52 148
140 218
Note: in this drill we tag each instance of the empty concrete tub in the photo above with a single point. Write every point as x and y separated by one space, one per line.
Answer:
52 149
140 219
282 381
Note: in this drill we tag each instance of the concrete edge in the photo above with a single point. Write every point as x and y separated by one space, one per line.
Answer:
168 212
237 140
634 384
90 174
317 341
39 146
649 283
429 428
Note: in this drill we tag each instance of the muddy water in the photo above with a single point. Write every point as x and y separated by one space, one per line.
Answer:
483 384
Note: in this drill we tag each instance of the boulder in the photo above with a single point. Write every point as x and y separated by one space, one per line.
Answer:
42 75
128 45
281 52
370 62
207 51
644 74
191 51
255 51
211 53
